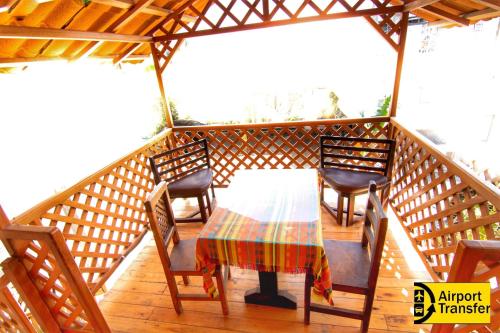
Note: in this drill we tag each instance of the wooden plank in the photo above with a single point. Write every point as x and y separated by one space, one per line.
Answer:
418 4
141 297
494 4
473 16
150 9
13 32
116 26
446 16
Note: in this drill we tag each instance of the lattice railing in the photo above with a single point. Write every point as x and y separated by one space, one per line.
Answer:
438 202
476 261
14 315
274 145
102 218
222 16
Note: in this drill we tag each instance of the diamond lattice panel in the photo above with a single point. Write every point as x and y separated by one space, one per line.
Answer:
272 146
436 205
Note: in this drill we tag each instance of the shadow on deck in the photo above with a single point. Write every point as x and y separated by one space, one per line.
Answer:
139 301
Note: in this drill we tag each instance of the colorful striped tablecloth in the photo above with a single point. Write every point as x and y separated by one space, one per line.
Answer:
270 220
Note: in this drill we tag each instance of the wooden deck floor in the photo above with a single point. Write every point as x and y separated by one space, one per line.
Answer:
140 301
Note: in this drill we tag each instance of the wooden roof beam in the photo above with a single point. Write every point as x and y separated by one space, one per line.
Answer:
158 26
446 16
13 32
418 4
151 9
494 4
19 62
476 15
117 25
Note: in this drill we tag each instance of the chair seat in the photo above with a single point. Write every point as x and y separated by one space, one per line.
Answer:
351 181
349 263
191 185
182 257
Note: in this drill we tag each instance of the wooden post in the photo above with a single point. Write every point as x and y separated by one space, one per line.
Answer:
399 64
168 113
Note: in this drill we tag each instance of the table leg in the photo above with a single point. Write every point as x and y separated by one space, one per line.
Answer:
268 294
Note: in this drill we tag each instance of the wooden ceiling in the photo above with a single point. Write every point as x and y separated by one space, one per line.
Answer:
36 30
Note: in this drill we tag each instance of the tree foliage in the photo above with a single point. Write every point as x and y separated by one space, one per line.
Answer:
383 106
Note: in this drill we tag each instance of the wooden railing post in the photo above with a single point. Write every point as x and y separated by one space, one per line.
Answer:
399 64
166 107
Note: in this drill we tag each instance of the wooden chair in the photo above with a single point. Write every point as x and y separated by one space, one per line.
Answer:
181 260
187 171
348 165
354 266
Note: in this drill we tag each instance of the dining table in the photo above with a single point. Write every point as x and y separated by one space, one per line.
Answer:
269 220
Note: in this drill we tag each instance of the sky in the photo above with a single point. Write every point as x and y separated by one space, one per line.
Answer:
60 122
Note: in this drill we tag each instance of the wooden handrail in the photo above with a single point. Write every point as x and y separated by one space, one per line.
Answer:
287 124
466 176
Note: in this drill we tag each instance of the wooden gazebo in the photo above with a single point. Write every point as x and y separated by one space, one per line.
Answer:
63 250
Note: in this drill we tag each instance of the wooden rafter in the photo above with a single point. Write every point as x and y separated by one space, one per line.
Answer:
476 15
119 58
13 32
178 12
19 62
446 16
150 9
418 4
494 4
116 26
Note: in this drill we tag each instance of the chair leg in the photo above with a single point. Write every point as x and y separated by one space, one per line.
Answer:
367 312
340 208
322 190
350 210
203 210
174 292
213 192
185 279
384 196
209 205
222 292
307 299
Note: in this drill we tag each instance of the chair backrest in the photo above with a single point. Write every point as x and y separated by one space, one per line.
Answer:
162 222
364 154
374 232
181 161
